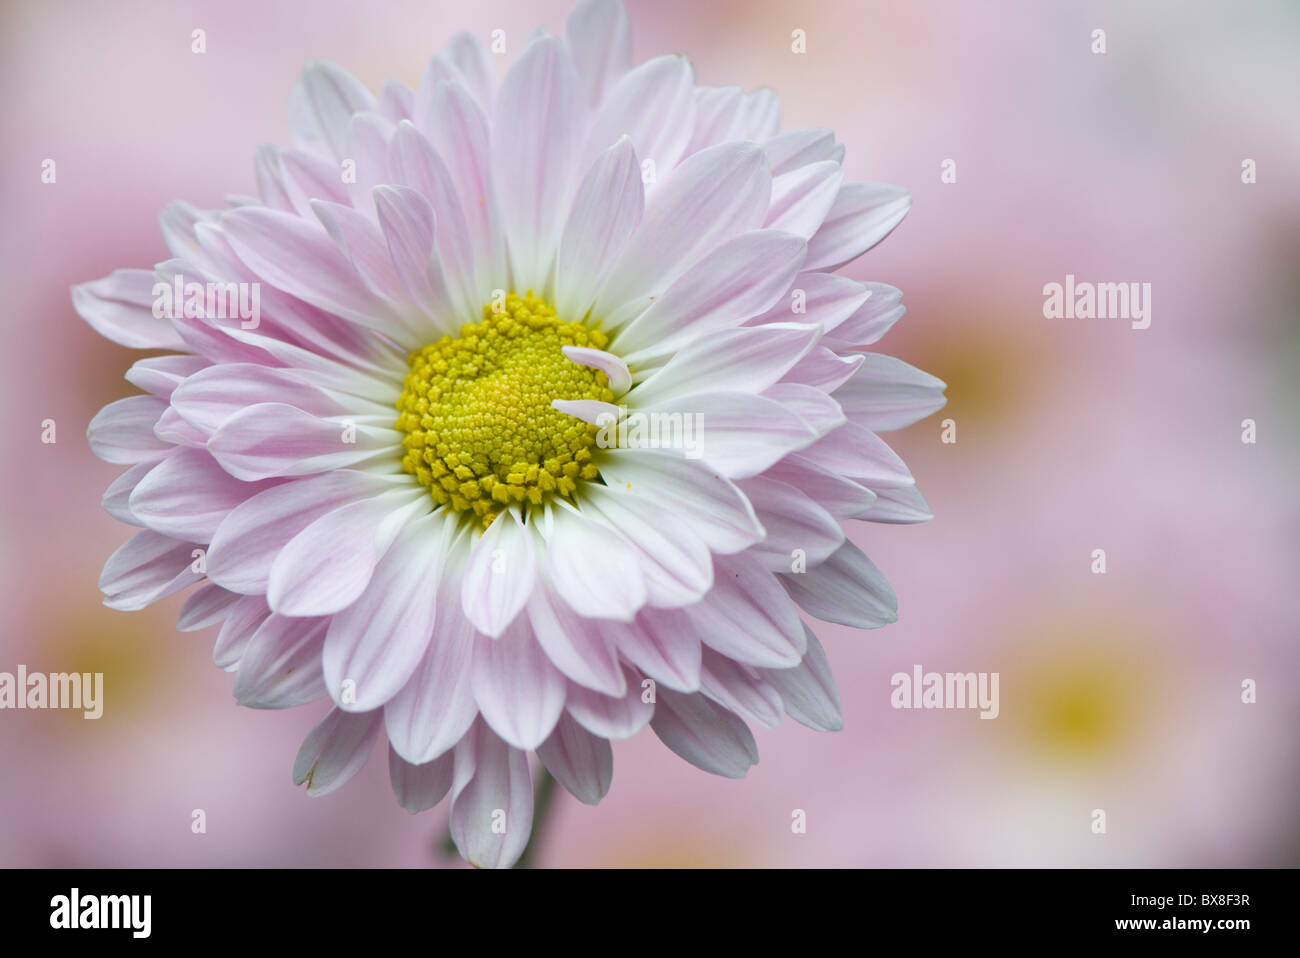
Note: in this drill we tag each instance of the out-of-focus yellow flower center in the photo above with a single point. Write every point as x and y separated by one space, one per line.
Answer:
476 412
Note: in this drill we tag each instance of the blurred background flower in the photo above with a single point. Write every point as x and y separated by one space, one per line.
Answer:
1119 691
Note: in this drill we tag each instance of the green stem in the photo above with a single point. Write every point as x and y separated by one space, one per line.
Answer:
543 800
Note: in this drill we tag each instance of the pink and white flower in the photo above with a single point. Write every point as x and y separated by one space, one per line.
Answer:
394 488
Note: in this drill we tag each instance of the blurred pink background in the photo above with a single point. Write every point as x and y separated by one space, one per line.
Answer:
1119 691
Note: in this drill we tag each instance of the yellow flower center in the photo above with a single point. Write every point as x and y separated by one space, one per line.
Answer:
475 409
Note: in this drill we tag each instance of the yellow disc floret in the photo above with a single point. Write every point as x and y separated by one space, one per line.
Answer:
476 413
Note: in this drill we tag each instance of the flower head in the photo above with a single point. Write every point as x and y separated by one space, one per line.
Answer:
516 419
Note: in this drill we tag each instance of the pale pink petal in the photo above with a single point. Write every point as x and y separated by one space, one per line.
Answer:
748 616
335 750
797 148
797 527
745 359
207 605
280 667
740 279
187 495
520 694
740 689
808 690
711 197
537 133
436 707
847 589
275 439
252 535
612 718
706 735
581 762
122 432
499 575
606 212
653 105
707 502
420 787
802 198
491 800
146 568
863 214
887 393
120 307
374 645
322 104
599 40
327 566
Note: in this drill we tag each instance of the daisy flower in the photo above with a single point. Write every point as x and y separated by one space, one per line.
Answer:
513 418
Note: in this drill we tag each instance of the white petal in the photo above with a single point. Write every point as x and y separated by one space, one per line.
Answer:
745 359
519 692
491 800
708 503
374 645
499 575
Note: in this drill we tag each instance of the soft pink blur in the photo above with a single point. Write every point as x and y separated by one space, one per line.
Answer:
1119 691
